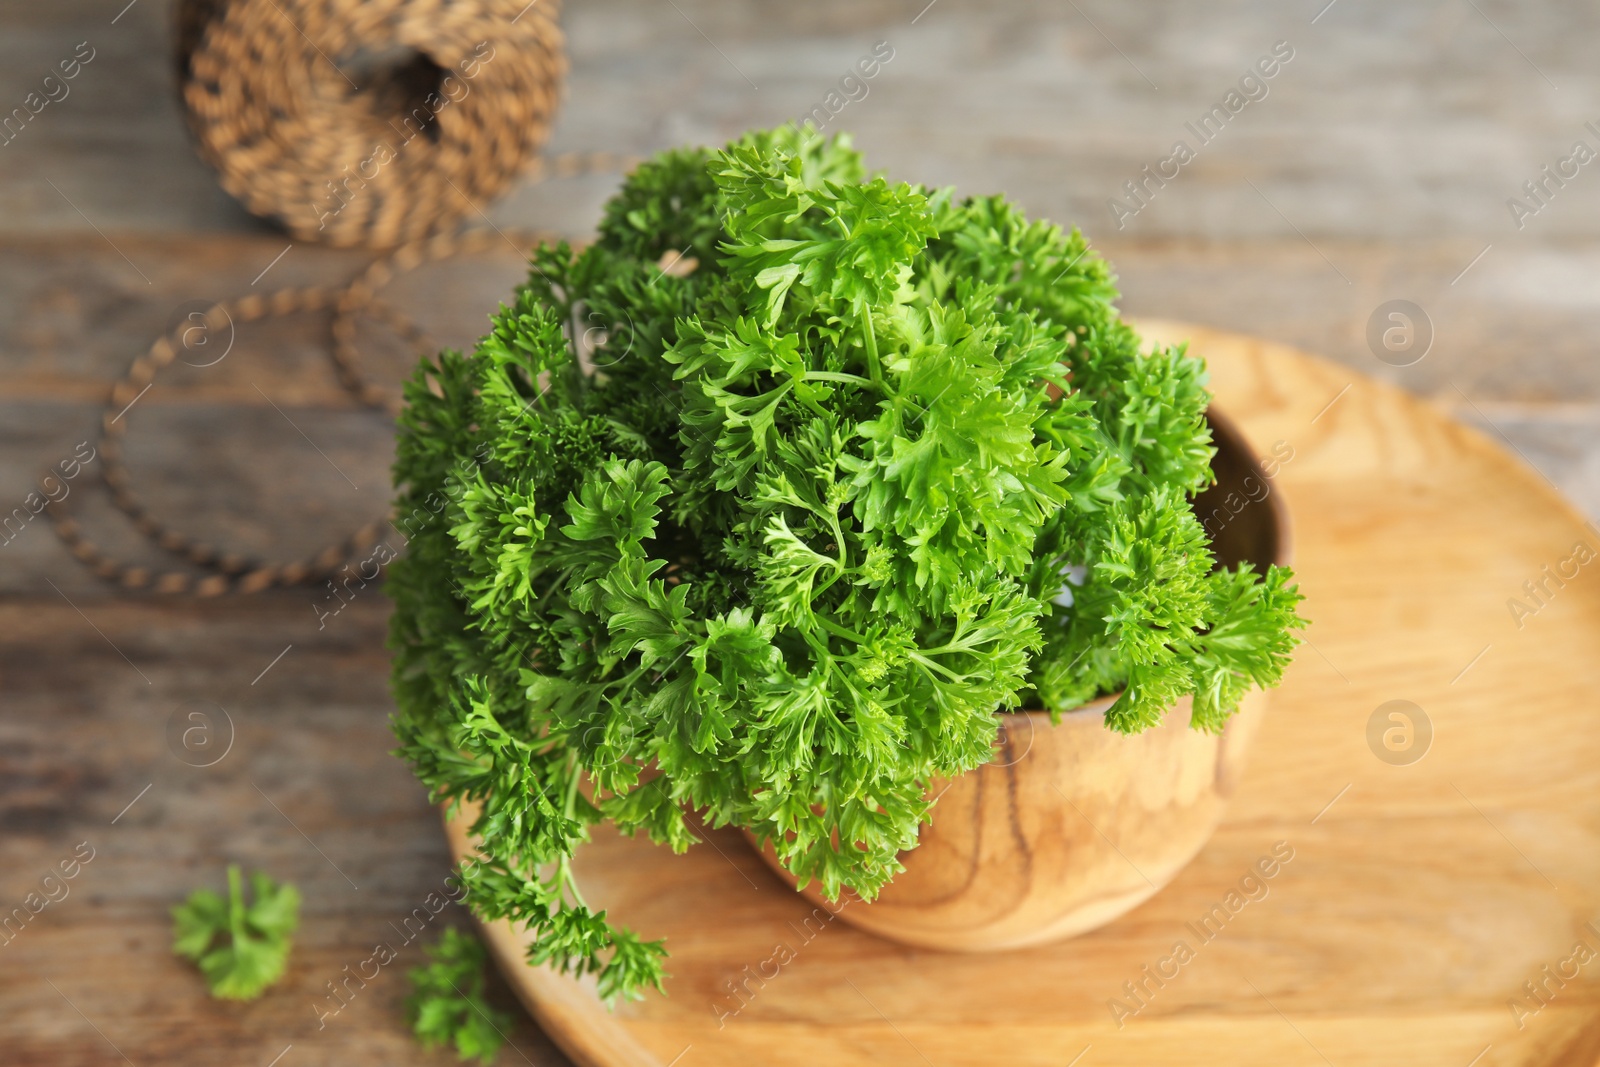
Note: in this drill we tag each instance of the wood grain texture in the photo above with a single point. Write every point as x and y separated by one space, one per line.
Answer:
1415 900
1396 122
307 792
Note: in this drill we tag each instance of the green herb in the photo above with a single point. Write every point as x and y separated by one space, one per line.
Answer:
447 1004
241 948
804 519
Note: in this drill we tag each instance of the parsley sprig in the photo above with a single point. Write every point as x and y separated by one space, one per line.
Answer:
447 1005
777 548
241 948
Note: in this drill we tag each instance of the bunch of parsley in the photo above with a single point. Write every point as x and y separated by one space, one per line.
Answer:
776 543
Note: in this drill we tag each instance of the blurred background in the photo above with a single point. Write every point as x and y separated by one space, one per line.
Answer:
1384 160
1378 166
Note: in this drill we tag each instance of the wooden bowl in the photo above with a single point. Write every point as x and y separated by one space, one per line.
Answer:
1072 824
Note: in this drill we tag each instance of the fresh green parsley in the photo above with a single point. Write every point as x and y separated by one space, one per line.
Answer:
241 948
786 530
447 1004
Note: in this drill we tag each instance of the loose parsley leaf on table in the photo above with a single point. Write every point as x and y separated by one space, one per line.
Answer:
447 1004
241 948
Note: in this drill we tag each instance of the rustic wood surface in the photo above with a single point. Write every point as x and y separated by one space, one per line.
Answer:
307 792
1383 912
1381 160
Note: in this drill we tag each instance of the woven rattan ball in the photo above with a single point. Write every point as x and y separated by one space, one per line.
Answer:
369 122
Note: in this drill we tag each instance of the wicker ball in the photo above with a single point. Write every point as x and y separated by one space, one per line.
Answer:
369 122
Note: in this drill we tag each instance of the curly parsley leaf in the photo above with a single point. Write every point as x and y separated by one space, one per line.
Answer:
241 948
447 1005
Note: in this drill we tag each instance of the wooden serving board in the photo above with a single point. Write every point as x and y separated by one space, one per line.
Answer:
1420 894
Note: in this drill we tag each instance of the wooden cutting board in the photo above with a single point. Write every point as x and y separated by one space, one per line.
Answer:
1425 886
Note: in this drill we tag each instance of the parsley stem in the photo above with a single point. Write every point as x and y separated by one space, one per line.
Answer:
841 564
839 631
933 665
834 376
571 803
871 340
236 903
564 868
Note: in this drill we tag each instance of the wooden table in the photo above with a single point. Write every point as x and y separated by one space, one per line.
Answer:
307 793
1416 905
1381 163
1422 881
